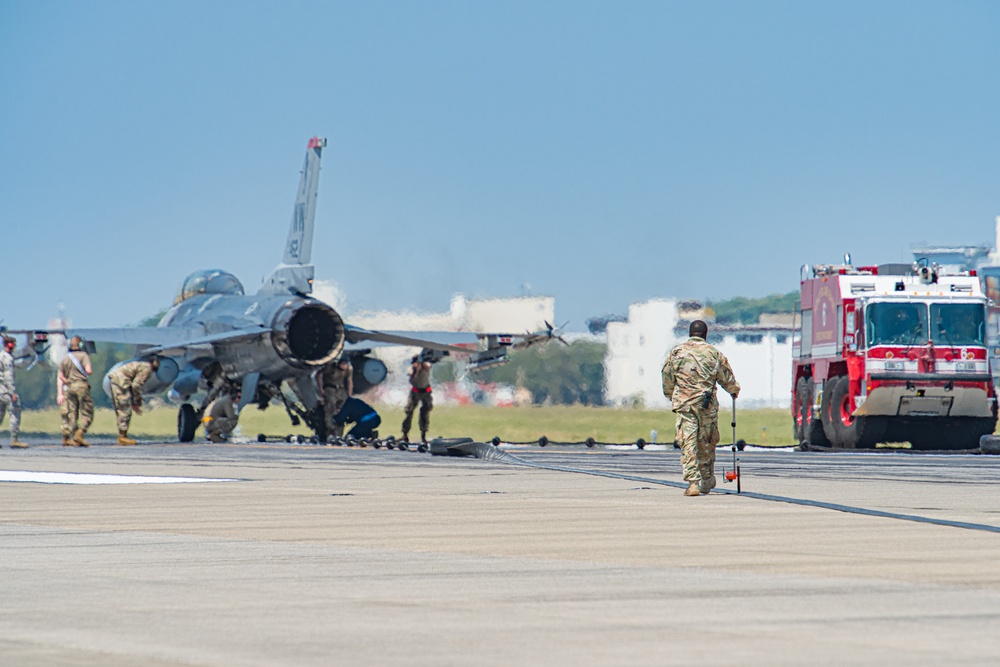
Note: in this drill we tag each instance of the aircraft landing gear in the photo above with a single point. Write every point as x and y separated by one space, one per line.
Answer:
187 423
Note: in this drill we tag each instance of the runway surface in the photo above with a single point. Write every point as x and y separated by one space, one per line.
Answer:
307 555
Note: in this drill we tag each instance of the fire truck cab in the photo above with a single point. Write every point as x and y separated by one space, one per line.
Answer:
891 353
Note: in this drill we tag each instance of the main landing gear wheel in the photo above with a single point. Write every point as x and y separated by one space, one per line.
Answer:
187 423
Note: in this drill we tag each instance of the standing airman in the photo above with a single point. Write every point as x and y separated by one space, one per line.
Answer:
420 394
689 376
76 406
9 400
126 392
336 384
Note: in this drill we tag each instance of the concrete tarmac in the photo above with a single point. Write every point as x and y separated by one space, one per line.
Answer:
326 555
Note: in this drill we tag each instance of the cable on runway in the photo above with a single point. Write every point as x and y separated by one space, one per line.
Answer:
489 452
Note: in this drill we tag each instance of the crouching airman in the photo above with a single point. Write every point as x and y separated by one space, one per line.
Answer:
221 417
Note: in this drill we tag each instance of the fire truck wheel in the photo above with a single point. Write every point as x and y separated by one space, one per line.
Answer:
812 429
802 412
850 432
828 411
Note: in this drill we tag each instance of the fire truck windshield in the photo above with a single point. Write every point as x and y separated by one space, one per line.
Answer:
897 323
958 323
951 324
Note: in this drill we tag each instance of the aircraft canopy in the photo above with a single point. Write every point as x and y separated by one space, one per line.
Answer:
208 281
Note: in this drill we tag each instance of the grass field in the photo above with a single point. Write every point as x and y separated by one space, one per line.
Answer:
557 423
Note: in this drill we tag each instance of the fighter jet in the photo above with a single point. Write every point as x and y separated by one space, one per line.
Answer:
216 338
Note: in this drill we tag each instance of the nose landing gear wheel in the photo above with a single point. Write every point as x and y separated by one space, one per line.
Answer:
187 423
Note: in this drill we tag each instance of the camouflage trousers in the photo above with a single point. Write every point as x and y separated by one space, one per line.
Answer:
77 410
697 435
426 403
122 398
220 426
334 399
8 404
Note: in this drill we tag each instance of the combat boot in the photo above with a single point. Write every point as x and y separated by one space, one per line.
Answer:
692 490
423 437
17 444
67 442
123 438
707 485
78 439
405 438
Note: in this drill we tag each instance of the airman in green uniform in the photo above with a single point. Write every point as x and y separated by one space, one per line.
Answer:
690 374
76 405
336 384
420 394
126 392
9 400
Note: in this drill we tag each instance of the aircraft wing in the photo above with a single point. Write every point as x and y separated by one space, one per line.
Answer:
124 335
157 336
450 341
151 339
485 350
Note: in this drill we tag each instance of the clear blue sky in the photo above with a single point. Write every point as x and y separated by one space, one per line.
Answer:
599 152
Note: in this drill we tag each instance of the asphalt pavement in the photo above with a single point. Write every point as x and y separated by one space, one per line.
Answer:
287 554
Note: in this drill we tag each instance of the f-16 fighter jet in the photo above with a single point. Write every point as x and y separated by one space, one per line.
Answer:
215 338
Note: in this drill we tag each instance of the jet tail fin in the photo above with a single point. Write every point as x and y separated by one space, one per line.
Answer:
295 272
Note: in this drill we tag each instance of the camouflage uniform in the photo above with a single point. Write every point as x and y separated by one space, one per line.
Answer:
221 418
333 384
126 389
420 394
77 410
7 394
691 371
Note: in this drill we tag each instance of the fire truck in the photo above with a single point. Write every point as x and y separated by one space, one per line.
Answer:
891 353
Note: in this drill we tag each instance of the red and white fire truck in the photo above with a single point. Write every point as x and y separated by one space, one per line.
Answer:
891 353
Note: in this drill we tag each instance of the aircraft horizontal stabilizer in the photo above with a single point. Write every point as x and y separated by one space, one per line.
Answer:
249 332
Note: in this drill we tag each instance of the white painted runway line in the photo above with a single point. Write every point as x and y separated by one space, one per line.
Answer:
88 478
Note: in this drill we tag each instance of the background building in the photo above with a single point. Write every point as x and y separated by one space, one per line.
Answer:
761 354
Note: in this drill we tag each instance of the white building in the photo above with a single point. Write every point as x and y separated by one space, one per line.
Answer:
761 356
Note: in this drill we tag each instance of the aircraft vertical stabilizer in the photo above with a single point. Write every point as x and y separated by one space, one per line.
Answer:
295 273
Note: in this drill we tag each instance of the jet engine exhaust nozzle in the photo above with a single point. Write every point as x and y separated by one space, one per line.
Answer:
307 334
